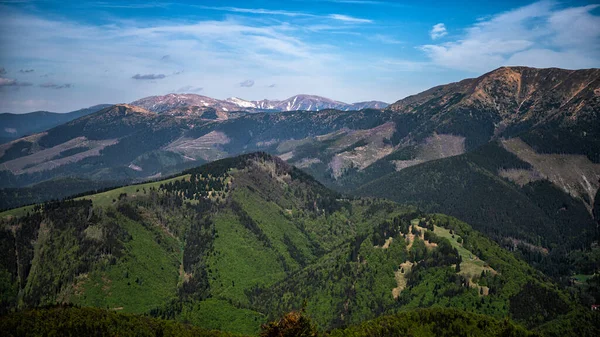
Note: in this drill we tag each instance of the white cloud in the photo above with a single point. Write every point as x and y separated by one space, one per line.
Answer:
99 60
339 17
247 83
386 39
542 34
257 11
347 18
188 89
437 31
10 82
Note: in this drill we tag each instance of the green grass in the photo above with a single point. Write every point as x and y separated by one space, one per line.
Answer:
271 219
471 265
582 278
106 198
72 321
100 199
433 322
144 278
216 314
240 261
17 212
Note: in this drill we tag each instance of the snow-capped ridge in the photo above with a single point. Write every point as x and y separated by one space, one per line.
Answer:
169 102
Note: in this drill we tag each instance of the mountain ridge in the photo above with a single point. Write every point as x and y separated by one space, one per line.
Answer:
164 103
15 126
553 111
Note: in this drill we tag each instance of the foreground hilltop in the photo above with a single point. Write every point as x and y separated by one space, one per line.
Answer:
239 241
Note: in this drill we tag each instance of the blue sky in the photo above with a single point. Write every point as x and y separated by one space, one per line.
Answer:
65 55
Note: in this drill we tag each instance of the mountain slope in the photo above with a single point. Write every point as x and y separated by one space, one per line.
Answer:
547 108
551 110
509 101
125 142
348 149
100 146
236 241
239 223
532 214
18 125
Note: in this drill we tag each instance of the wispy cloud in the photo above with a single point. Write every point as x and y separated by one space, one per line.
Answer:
189 88
385 39
363 2
50 85
247 83
257 11
2 71
302 50
142 5
347 18
338 17
359 2
9 82
148 77
543 34
437 31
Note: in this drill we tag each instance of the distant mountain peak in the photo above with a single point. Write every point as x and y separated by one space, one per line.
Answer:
241 102
124 109
306 102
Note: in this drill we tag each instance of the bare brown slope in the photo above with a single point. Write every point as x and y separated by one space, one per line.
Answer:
515 95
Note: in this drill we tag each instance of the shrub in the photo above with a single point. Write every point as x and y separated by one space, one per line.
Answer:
293 324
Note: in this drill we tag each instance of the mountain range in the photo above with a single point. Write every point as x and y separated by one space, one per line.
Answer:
515 153
15 126
166 103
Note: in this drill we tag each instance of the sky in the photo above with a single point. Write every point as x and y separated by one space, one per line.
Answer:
65 55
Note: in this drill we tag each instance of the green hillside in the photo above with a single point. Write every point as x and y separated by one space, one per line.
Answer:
240 241
550 228
73 321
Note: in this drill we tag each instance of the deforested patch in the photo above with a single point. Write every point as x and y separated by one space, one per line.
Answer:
287 156
207 147
51 158
520 177
402 164
574 174
307 162
437 146
28 139
441 146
